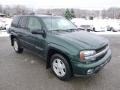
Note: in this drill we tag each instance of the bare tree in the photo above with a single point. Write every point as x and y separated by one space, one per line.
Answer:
1 8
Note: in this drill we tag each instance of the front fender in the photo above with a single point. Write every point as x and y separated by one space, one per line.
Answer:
60 49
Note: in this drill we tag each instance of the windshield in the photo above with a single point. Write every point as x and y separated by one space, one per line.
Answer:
58 23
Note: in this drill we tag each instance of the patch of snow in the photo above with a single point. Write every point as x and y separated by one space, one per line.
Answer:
107 33
5 22
98 24
3 34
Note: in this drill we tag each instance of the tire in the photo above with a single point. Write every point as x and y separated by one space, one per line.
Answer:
16 46
61 67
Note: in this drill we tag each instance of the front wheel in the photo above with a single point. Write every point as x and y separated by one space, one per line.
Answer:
60 67
16 46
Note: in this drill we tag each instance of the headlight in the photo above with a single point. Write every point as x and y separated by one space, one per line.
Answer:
86 55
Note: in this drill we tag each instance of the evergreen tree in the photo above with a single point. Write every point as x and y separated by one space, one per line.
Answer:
68 14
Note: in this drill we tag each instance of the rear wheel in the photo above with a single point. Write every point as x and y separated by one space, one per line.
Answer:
60 67
16 46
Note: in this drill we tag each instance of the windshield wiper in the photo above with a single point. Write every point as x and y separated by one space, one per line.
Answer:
72 29
65 30
58 30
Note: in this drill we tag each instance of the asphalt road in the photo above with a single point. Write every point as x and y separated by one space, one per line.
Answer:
27 72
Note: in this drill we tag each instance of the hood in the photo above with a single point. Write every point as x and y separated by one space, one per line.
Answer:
82 39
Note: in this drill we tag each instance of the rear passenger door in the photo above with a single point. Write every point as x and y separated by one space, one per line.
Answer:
23 31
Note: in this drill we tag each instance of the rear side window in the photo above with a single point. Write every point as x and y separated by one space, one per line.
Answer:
15 21
23 21
34 24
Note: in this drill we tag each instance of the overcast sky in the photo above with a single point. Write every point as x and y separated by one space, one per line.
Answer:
82 4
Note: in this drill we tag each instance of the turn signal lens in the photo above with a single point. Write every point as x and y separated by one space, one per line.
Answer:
82 56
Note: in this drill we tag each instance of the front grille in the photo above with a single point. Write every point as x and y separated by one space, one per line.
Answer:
100 57
101 48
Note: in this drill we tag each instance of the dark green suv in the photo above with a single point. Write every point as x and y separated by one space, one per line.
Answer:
67 50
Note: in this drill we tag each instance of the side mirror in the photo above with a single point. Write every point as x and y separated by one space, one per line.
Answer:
42 32
37 32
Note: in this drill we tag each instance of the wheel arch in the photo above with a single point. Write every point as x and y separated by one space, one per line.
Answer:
52 51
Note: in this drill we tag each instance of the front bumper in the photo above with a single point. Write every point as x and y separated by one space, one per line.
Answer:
88 69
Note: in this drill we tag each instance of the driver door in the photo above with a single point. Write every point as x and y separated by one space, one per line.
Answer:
36 41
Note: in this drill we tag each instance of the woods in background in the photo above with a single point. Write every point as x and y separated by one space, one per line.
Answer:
9 11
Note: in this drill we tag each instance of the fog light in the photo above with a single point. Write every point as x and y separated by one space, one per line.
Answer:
90 71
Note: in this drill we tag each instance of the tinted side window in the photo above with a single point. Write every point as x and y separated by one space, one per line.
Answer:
34 24
23 22
15 21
